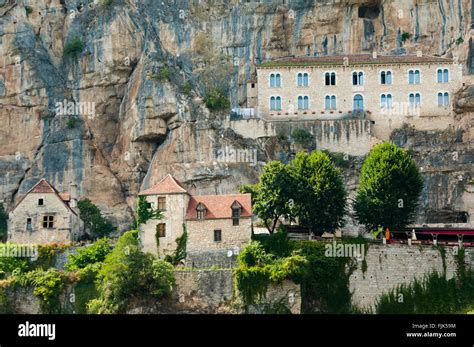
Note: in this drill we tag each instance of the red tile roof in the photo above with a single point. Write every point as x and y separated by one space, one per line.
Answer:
354 59
168 185
44 187
219 206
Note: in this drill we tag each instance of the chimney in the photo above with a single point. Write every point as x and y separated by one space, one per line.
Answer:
374 54
419 53
73 194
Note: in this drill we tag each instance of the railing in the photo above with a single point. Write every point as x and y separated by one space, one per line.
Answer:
243 113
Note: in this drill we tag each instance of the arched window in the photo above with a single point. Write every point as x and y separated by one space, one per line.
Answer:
302 79
275 80
358 78
303 102
386 77
443 99
358 103
330 78
275 103
414 99
414 76
443 75
330 102
386 101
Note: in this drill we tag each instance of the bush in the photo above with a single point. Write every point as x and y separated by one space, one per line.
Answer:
29 10
128 273
9 264
302 137
73 48
405 36
71 123
88 255
93 219
217 100
48 285
257 269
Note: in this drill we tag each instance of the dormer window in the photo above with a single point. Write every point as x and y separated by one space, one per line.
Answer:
236 212
201 211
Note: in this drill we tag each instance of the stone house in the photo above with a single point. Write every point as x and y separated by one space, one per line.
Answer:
388 90
212 221
44 215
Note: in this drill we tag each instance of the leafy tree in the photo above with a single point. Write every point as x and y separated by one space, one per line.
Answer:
3 221
320 196
92 254
73 48
390 185
216 100
93 219
272 196
127 273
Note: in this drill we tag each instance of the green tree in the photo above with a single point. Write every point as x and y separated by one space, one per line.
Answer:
3 222
272 197
320 196
390 185
92 254
93 219
128 274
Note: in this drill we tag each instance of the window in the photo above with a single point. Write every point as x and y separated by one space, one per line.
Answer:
252 85
302 79
201 211
357 78
443 99
275 103
217 235
330 78
162 203
275 80
148 205
28 224
303 102
414 99
385 77
414 76
161 229
236 210
386 101
358 103
443 75
330 102
40 202
48 222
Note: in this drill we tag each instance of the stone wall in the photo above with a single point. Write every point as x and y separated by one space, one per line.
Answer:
394 264
211 291
201 233
205 259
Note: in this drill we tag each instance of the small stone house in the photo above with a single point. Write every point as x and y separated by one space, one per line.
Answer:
45 216
212 221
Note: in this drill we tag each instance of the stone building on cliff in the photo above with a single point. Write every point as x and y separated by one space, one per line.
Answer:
212 222
45 216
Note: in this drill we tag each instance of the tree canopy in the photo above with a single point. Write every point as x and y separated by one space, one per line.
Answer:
390 185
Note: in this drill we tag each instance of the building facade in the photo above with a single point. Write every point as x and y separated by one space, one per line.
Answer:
45 216
211 221
385 86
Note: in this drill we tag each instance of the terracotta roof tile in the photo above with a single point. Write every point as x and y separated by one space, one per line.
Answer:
219 206
168 185
354 59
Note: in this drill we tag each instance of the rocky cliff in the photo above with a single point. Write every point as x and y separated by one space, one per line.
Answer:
138 71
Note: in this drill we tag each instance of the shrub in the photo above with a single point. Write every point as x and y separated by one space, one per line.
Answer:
29 10
128 273
405 36
217 100
89 255
71 123
73 48
302 137
164 73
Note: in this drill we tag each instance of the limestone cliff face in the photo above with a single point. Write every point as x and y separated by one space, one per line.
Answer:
145 66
